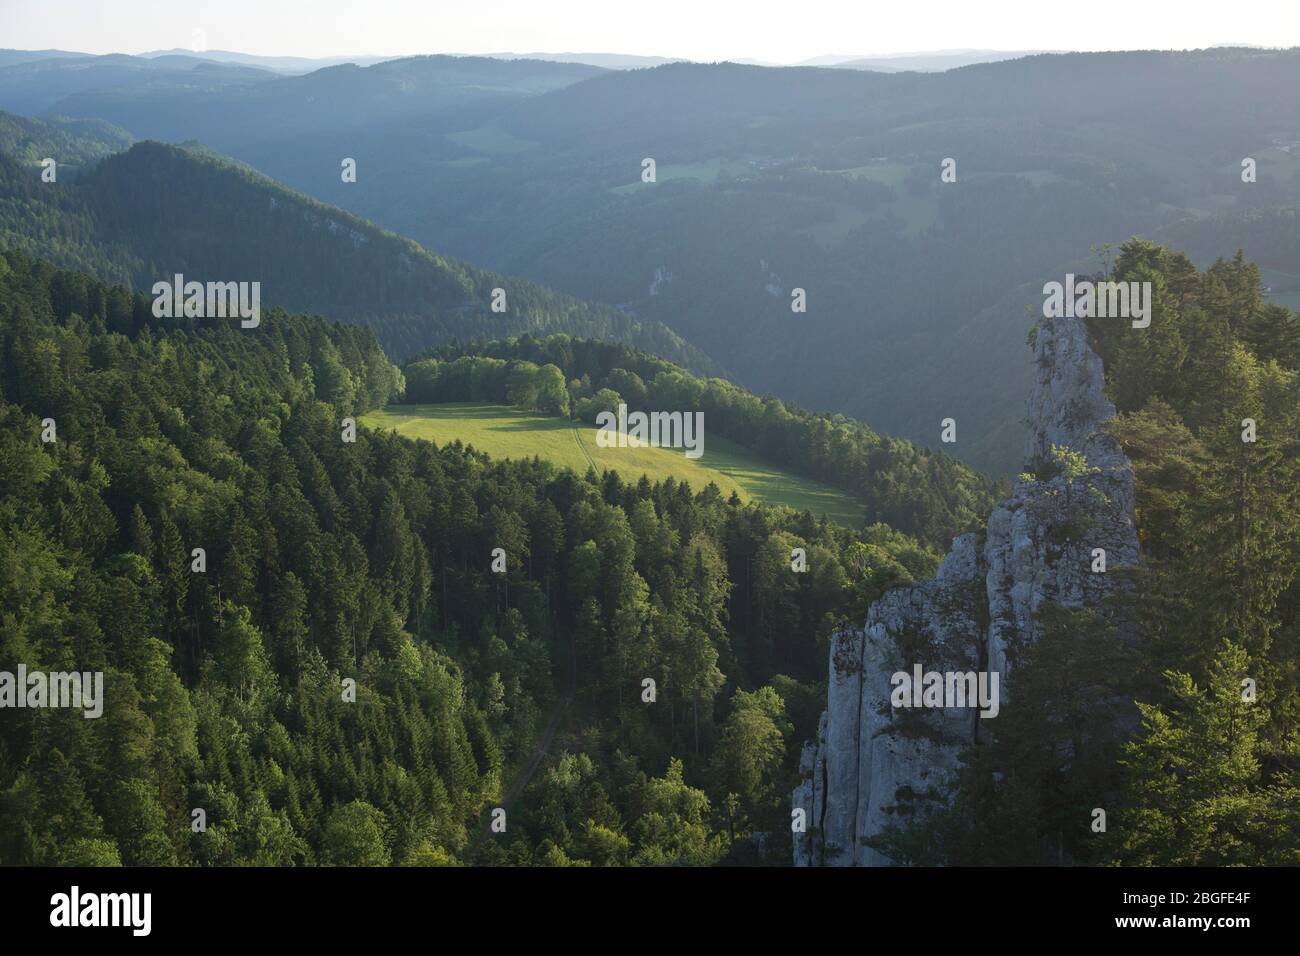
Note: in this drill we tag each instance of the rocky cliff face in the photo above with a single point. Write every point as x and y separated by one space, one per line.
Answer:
873 762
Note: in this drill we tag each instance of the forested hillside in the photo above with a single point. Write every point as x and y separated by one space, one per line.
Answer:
76 143
241 100
919 290
325 561
37 84
1206 771
920 492
142 215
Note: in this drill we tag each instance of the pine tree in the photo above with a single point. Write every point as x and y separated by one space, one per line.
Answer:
1195 794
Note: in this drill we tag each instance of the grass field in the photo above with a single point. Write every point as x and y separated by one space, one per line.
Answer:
705 172
918 212
510 433
490 139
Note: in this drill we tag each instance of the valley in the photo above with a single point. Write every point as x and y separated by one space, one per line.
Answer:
972 365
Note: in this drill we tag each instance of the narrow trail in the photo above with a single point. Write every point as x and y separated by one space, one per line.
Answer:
583 448
524 777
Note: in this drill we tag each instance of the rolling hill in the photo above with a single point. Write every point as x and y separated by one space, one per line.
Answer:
371 561
772 179
33 86
154 210
923 493
919 292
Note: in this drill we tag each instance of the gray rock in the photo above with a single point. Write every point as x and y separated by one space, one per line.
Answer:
874 764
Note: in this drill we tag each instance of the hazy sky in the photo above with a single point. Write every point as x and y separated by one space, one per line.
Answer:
782 31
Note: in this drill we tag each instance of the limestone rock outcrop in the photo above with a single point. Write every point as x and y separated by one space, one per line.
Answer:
871 762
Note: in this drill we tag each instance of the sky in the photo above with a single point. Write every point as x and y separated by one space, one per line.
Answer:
779 31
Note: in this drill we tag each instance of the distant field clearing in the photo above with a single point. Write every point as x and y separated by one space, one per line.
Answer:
505 432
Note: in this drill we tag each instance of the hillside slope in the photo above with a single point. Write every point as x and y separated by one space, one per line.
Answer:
913 489
144 214
199 531
825 180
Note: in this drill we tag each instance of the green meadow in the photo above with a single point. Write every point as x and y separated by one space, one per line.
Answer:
505 432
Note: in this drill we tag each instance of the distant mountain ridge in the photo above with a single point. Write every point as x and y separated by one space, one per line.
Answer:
920 291
278 64
31 87
142 215
925 62
160 98
609 61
